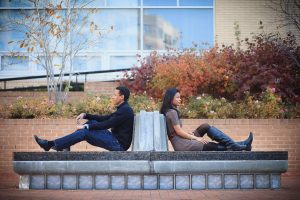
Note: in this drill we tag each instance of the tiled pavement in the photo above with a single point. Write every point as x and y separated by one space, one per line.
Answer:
290 190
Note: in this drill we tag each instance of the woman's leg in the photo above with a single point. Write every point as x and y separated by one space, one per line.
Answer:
202 130
212 146
222 138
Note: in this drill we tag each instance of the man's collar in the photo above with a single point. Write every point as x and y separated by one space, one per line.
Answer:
121 104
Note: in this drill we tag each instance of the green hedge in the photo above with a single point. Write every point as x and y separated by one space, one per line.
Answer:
267 105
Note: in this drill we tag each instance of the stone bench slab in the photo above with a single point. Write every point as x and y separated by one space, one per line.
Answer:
150 170
152 156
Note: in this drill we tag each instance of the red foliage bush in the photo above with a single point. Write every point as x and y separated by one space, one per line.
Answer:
268 61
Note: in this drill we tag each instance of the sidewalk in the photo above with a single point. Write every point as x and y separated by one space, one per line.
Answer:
290 190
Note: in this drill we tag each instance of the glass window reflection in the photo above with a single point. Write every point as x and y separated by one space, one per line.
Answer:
16 3
121 62
9 32
87 3
118 29
196 2
177 28
160 3
119 3
87 63
14 63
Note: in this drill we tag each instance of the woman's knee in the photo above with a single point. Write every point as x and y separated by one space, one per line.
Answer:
202 129
204 126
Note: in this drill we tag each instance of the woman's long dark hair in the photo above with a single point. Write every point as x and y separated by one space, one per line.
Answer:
167 102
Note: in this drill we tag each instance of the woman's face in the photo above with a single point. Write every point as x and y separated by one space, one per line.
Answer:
176 100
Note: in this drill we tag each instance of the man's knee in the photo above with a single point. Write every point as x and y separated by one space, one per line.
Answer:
82 133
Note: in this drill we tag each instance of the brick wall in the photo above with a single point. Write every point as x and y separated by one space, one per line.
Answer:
248 14
269 134
8 98
99 87
96 88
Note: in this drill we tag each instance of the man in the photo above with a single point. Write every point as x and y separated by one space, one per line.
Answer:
95 132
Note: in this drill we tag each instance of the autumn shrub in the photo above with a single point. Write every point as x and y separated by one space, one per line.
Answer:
32 108
189 70
143 102
206 106
268 105
268 61
100 105
138 78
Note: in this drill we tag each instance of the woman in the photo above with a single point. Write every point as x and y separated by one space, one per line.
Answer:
184 141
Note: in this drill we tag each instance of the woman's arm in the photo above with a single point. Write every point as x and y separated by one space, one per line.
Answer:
180 132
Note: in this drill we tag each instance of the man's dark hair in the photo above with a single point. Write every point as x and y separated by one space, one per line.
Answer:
124 91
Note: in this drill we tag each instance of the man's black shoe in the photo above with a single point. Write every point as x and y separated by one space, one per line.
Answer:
43 143
66 149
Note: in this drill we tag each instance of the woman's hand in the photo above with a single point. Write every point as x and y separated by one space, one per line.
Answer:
202 140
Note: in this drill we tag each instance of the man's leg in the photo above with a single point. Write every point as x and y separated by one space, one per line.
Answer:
64 142
69 140
104 139
100 138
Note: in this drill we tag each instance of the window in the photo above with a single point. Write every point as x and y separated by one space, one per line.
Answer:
196 2
121 62
117 29
125 3
86 63
160 2
120 32
14 63
180 28
16 3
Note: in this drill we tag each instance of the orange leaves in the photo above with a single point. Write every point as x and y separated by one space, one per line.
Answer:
189 71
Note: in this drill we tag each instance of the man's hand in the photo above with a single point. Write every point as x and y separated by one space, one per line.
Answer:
80 127
202 140
79 117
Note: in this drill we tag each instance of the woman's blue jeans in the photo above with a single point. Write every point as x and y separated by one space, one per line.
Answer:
100 138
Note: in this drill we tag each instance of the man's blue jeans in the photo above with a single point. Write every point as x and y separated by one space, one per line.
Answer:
100 138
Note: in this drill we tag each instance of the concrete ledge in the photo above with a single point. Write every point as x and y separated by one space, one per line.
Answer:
150 167
150 170
150 155
216 166
70 167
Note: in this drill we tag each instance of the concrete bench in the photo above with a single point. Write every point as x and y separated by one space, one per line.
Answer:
150 132
150 166
150 170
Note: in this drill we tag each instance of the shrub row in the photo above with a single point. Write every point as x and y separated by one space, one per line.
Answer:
267 105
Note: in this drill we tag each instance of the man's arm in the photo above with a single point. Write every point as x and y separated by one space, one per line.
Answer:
115 119
98 118
92 117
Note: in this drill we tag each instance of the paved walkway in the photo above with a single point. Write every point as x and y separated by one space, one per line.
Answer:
290 190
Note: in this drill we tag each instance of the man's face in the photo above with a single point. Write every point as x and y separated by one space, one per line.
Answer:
116 98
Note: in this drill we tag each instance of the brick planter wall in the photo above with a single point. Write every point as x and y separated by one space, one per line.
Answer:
94 88
269 135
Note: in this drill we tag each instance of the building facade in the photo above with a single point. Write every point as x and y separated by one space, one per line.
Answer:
138 27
